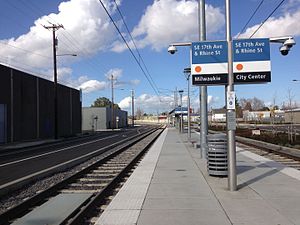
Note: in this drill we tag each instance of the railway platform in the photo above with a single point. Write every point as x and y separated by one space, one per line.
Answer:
171 186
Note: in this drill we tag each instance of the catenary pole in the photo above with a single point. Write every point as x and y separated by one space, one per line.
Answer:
232 186
203 89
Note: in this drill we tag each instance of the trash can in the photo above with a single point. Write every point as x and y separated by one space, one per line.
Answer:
217 155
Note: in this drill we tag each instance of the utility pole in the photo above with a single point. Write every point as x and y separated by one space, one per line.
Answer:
232 183
54 28
203 89
112 102
132 107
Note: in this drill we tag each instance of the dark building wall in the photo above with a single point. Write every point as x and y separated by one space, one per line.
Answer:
30 109
24 106
5 95
46 107
76 112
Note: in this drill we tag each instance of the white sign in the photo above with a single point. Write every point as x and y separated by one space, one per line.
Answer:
230 100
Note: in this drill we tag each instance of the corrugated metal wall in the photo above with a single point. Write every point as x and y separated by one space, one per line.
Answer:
30 106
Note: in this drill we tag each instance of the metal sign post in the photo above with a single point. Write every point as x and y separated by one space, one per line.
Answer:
231 148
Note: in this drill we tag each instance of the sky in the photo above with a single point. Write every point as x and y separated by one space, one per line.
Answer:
152 72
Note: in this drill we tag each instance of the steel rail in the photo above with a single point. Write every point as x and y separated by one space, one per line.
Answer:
39 198
13 185
87 210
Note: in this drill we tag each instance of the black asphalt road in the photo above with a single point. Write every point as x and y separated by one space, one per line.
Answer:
15 166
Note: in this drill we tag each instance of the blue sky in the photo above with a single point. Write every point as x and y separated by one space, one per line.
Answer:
26 44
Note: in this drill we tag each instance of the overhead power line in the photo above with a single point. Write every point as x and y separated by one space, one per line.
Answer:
24 50
267 18
69 41
127 45
255 11
136 48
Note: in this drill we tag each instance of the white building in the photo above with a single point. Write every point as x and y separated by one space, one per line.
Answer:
98 118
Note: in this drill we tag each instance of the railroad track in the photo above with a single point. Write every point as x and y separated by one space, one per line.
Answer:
285 159
75 199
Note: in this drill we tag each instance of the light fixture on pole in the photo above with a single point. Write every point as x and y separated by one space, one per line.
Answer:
112 102
187 73
181 115
132 107
66 54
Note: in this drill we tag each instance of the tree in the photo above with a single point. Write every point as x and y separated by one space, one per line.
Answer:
252 104
239 111
291 105
139 113
103 102
257 104
248 106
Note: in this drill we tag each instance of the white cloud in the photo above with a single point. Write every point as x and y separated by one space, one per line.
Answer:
125 103
212 100
152 103
116 72
87 31
149 103
171 20
287 24
92 85
134 82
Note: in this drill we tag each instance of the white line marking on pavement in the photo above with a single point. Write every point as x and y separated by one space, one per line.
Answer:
56 151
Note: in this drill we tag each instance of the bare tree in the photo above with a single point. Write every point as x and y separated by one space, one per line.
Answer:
139 113
257 104
252 104
290 106
272 113
243 102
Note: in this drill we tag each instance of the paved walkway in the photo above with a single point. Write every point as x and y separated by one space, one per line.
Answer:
171 187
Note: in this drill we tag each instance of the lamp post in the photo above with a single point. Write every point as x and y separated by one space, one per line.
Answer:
187 73
132 107
181 115
112 102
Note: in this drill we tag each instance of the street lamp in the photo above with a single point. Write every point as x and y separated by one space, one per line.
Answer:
132 107
67 54
287 43
187 73
181 115
132 104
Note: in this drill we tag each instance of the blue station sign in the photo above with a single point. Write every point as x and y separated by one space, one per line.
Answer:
251 62
209 63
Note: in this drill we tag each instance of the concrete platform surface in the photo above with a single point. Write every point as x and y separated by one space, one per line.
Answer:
171 186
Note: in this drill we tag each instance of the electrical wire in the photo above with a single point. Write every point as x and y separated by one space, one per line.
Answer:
123 38
24 50
255 11
72 44
136 48
267 18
